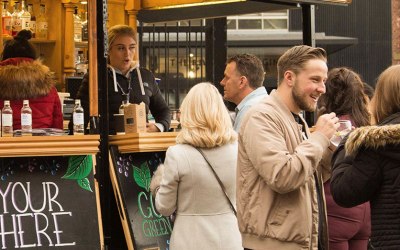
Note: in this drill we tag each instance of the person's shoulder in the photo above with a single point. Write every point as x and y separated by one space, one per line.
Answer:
265 106
180 148
144 72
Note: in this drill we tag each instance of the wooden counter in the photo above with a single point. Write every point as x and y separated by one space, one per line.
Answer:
143 142
49 145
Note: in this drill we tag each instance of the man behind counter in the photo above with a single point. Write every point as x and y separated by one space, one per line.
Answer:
127 81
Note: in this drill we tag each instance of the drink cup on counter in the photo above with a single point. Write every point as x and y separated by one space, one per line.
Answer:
343 129
119 124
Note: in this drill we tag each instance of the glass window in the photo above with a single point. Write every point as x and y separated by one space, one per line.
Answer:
275 24
249 24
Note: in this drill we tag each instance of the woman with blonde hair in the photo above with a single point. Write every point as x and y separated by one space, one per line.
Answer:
128 82
186 183
374 174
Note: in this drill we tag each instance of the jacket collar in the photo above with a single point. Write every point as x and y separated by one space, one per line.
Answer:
373 137
283 109
24 79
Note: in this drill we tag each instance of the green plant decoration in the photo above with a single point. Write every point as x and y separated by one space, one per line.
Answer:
79 167
142 176
85 184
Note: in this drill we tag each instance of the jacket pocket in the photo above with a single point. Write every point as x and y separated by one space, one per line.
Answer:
289 219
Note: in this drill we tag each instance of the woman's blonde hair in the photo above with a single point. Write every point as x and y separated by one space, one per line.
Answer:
120 30
386 100
204 118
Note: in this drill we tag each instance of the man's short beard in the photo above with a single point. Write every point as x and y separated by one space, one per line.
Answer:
300 100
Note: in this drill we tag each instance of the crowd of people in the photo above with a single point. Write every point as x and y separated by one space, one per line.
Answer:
289 188
262 179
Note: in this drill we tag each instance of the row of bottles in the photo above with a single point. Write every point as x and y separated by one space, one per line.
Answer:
26 119
80 26
23 17
7 119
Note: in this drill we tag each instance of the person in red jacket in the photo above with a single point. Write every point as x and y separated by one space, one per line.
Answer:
24 77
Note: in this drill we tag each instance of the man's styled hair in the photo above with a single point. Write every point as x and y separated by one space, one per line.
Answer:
345 96
386 100
251 67
296 57
204 118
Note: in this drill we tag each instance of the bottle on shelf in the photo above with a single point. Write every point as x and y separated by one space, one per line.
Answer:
7 120
25 17
81 65
6 18
78 118
125 102
77 27
16 20
26 119
32 23
42 24
85 30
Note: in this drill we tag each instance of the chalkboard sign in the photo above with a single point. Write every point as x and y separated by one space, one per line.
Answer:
48 203
131 173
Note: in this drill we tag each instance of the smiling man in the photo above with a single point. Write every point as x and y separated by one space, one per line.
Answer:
243 84
280 199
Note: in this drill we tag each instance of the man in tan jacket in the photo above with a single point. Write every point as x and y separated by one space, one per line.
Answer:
279 192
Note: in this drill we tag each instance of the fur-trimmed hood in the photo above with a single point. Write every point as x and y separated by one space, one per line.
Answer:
24 80
373 137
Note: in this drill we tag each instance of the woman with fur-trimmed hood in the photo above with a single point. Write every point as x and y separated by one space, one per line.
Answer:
24 77
374 173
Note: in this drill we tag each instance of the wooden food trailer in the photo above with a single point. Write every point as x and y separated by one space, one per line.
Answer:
54 191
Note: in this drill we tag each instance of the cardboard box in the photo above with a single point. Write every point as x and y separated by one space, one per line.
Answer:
135 118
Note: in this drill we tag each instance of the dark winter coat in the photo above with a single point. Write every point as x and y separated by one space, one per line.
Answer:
373 175
153 98
25 78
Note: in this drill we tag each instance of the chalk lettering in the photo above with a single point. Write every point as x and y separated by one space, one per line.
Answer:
42 231
53 198
36 200
3 195
158 227
14 201
149 215
3 233
58 232
21 231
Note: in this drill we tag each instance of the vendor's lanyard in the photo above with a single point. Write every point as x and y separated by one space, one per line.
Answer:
124 94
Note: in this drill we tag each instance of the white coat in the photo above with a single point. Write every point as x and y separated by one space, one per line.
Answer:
204 218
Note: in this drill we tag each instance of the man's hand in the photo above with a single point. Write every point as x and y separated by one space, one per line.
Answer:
151 127
327 124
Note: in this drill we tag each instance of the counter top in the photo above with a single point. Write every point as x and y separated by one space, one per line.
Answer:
49 145
143 142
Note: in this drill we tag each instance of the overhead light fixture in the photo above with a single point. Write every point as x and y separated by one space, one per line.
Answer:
204 3
84 2
191 74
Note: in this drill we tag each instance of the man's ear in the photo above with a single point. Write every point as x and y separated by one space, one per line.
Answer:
243 82
289 77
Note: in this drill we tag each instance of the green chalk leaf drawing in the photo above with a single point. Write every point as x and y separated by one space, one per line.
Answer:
85 184
142 176
79 167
